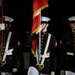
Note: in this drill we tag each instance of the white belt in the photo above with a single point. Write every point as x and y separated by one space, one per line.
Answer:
70 53
6 73
47 55
9 52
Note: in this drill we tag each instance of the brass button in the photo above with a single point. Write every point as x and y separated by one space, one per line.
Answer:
67 42
3 50
3 43
3 46
42 38
18 62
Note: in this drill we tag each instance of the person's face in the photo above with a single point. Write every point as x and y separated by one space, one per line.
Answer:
72 25
7 26
44 27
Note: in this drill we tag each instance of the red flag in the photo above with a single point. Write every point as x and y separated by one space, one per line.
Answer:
38 6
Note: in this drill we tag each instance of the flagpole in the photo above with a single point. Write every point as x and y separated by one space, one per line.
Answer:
39 50
39 42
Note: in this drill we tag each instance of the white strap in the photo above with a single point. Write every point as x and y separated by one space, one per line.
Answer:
37 56
9 52
7 45
46 48
6 73
46 56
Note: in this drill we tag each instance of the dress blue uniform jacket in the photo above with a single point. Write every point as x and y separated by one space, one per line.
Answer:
67 52
12 61
50 62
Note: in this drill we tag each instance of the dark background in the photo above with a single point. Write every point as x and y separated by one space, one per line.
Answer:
21 11
58 11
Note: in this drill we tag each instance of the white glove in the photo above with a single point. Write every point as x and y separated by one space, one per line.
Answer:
39 30
14 70
62 72
2 26
52 73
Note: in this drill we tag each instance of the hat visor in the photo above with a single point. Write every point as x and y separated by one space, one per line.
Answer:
44 22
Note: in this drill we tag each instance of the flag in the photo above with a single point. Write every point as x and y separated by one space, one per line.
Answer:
38 6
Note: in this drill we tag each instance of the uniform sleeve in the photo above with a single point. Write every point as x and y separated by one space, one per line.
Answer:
62 53
53 53
32 37
53 42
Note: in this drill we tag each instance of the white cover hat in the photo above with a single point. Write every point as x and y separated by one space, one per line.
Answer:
72 18
43 18
8 19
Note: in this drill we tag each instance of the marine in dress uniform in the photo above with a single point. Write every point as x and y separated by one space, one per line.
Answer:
48 46
67 50
10 60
